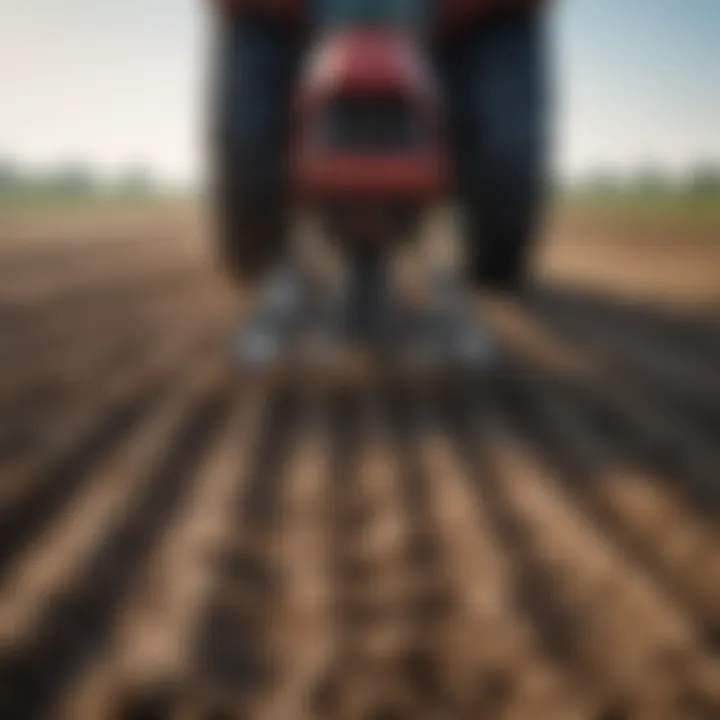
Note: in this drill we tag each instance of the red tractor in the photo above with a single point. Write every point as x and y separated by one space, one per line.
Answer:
369 157
368 153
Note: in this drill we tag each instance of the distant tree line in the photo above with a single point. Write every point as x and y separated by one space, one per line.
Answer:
77 180
74 181
650 180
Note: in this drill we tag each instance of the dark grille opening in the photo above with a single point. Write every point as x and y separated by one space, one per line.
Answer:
371 124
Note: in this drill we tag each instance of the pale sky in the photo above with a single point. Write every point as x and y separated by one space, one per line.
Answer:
120 82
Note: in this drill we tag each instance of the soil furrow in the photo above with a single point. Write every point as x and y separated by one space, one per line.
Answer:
77 623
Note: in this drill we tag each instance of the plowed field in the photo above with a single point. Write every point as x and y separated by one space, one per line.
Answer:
177 542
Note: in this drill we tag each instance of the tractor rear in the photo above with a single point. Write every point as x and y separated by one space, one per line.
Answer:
368 159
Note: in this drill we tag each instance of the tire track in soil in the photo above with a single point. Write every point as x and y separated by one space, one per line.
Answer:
690 333
62 342
234 670
541 545
149 670
686 385
667 446
663 443
60 476
36 408
61 333
651 522
632 642
71 313
346 518
528 585
430 604
374 588
47 563
76 623
501 653
301 629
79 254
86 274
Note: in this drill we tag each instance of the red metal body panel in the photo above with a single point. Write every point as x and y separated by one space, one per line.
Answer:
368 63
421 176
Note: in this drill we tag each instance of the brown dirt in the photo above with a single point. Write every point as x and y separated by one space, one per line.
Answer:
176 542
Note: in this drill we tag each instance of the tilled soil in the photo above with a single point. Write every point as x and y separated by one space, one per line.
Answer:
179 542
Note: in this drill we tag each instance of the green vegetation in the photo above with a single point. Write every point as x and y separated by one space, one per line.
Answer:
690 210
648 197
76 188
71 181
23 206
